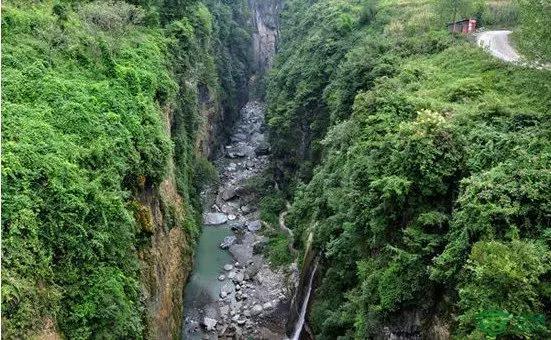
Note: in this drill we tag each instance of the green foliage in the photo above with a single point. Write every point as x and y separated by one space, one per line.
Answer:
414 151
77 133
270 207
534 36
87 92
108 308
204 173
500 14
278 250
453 10
493 268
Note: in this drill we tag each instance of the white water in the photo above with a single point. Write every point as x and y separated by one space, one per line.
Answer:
300 322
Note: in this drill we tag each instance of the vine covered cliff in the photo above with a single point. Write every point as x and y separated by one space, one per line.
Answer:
110 111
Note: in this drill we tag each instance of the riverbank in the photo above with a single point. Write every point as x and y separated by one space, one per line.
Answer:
234 291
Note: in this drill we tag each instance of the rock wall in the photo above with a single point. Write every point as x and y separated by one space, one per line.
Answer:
166 252
265 23
213 130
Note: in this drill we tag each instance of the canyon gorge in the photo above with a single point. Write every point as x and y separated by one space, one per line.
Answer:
273 169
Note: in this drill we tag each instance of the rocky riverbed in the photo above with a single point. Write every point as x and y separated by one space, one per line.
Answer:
233 291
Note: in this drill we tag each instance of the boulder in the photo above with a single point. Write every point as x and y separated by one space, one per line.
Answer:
228 194
236 152
237 226
257 309
209 323
214 218
221 278
228 267
239 277
228 241
253 225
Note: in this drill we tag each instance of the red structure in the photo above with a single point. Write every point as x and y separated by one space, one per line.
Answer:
462 26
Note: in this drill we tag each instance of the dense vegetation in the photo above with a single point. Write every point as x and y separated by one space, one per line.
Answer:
420 164
534 33
86 89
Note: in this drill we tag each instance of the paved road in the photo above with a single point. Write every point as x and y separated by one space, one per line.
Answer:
497 43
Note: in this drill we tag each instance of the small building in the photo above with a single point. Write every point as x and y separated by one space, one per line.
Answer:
462 26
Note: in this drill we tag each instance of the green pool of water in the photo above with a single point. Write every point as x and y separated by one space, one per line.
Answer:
203 285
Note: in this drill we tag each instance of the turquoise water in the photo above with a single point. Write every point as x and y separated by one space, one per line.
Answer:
209 260
203 287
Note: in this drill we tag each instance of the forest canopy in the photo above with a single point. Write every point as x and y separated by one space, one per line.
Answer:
419 163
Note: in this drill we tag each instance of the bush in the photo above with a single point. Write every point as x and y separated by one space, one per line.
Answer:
278 250
494 268
111 16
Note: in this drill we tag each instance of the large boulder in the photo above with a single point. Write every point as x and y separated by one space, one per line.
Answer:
246 209
228 194
227 242
257 309
214 218
239 277
254 225
237 152
237 226
209 323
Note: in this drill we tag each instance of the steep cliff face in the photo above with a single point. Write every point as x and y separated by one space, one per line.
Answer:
166 250
212 89
165 262
265 23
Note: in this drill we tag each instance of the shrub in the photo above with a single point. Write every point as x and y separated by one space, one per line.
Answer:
499 295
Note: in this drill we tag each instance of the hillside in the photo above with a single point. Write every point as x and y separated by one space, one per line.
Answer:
419 165
109 112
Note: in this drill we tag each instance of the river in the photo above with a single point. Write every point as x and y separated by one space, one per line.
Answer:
234 291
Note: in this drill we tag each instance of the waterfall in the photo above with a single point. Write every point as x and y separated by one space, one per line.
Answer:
302 317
